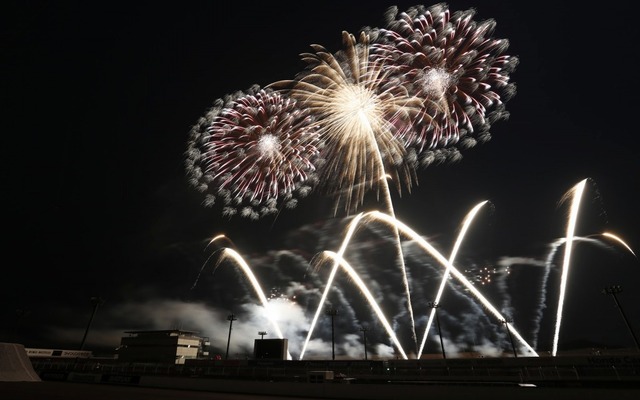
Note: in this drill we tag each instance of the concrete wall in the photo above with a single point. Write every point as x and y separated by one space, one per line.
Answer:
15 366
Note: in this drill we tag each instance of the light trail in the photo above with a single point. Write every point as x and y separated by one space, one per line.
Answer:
577 192
614 237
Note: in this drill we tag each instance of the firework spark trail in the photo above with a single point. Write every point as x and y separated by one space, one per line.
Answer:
438 256
214 239
453 63
367 294
467 222
618 239
577 192
359 114
256 286
253 151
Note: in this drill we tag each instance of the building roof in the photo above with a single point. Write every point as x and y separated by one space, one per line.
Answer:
168 331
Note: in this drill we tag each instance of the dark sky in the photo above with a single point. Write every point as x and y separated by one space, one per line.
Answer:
98 101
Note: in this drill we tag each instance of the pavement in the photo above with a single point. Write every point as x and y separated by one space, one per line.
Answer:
63 390
52 390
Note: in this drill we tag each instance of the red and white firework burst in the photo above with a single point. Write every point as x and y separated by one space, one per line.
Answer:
454 64
253 151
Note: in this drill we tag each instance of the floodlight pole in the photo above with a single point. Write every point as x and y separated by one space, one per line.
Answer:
230 318
613 290
262 333
435 306
96 302
505 322
364 337
332 312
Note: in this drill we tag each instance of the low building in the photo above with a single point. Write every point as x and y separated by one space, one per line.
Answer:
166 346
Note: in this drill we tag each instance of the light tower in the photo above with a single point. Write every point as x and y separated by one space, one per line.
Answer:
435 305
230 318
506 323
613 291
96 302
332 312
364 338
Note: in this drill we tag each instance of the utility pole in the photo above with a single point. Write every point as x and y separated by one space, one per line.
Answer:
332 312
364 337
506 323
96 302
435 306
230 318
613 290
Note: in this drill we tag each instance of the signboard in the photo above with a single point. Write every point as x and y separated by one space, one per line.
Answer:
48 353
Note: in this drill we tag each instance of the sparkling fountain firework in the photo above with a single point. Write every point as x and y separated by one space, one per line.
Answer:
340 260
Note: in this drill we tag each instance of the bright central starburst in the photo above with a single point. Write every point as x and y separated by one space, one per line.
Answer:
269 146
357 111
436 83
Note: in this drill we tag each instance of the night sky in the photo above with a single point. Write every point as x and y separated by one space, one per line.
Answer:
98 101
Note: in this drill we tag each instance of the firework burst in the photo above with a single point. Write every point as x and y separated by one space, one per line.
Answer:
453 63
362 115
254 151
